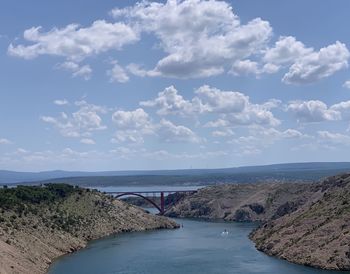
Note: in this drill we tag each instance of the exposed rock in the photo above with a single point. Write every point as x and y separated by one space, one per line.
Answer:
316 233
34 232
307 224
243 202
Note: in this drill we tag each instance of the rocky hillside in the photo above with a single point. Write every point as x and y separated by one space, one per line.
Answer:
38 224
308 224
317 233
243 202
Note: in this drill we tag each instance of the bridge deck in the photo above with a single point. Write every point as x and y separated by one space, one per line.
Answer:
153 191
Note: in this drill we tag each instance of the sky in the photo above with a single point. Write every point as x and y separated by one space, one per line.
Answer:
127 85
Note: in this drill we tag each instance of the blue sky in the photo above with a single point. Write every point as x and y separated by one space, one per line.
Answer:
115 85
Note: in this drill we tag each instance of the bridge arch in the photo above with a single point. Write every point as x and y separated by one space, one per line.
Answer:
140 195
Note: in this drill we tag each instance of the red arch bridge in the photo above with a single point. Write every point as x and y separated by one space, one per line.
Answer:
150 196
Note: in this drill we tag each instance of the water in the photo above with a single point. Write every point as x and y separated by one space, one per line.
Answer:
198 247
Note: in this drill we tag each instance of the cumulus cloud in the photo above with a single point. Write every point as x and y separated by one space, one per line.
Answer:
286 50
132 126
87 141
306 65
138 70
73 41
169 101
77 70
216 100
61 102
343 108
318 65
117 74
313 111
234 108
171 133
246 67
346 84
318 111
83 122
200 37
137 119
223 133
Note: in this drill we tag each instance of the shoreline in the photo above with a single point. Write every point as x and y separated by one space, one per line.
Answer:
102 238
305 224
34 234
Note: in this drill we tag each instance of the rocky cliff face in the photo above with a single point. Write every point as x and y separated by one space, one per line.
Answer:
317 233
307 224
37 227
243 202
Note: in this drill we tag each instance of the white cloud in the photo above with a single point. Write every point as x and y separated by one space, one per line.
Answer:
76 69
198 38
313 111
129 136
318 65
87 141
246 67
117 74
223 133
75 42
260 138
346 84
252 114
218 101
335 138
201 38
137 119
170 102
61 102
305 64
343 108
286 51
80 123
137 70
132 126
318 111
4 141
235 108
171 133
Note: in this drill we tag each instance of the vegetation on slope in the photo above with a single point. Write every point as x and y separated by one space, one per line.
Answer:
40 223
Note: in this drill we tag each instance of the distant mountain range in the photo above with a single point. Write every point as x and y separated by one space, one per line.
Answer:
290 171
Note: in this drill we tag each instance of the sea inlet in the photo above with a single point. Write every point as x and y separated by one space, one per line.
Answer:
197 247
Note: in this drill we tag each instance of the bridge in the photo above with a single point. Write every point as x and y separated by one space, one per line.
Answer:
150 196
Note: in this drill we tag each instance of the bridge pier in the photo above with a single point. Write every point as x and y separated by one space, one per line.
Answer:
143 194
162 203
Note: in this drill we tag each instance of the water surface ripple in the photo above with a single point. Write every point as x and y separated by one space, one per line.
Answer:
198 247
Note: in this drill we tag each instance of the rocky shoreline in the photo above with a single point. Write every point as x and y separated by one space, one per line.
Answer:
307 224
317 234
36 230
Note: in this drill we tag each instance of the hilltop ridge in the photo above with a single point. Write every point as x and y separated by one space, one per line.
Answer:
312 171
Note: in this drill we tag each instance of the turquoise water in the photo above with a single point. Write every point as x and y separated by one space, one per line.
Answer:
198 247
